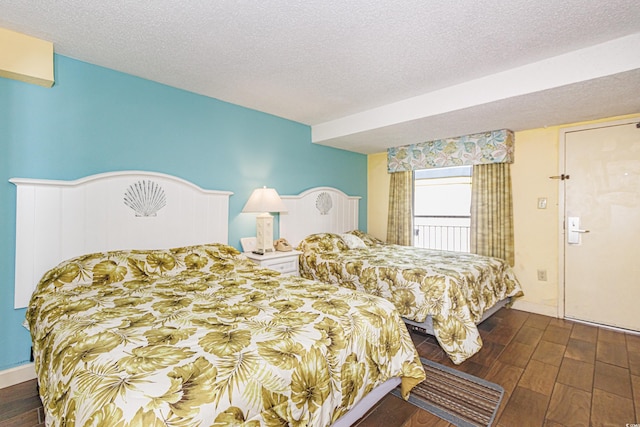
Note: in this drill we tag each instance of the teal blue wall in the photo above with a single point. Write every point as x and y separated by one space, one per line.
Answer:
95 120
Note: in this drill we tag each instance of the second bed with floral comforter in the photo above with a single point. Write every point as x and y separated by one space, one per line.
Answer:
200 336
454 288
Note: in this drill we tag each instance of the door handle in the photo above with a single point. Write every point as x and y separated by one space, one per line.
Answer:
574 231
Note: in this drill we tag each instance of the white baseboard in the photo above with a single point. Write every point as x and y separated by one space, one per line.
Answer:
17 375
532 307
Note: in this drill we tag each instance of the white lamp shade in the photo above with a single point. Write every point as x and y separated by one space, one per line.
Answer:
264 200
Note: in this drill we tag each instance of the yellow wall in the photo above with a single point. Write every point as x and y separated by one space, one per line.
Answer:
26 58
537 231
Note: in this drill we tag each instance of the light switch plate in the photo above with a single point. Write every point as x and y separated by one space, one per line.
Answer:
542 203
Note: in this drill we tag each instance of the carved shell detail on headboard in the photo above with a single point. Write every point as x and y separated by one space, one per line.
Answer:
146 198
324 203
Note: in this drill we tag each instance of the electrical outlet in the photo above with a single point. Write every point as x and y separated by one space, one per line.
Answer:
542 275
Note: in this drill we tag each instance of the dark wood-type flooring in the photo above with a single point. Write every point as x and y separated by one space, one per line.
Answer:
555 373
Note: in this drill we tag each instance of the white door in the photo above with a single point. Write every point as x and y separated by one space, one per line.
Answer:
602 205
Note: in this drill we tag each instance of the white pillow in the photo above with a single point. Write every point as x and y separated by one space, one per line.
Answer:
353 242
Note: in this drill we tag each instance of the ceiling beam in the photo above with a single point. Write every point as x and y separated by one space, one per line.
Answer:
597 61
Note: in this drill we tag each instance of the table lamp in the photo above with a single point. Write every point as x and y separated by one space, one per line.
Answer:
264 200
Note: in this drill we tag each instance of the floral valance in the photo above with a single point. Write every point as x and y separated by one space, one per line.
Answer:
477 149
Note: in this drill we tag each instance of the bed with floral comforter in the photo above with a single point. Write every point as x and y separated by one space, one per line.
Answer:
201 336
454 288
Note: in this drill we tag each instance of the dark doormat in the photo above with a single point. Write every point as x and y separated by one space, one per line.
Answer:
459 398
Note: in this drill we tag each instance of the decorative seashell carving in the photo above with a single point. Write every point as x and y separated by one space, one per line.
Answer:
324 203
146 198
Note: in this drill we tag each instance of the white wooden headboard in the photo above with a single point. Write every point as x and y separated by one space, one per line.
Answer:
318 210
58 220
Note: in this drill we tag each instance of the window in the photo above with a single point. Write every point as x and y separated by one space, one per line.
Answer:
442 208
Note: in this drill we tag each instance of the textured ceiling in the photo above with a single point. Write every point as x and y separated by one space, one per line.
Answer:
353 69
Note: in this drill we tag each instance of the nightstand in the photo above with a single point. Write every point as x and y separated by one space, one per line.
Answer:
284 262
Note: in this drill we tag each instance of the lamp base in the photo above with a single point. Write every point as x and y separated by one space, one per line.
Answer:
262 251
264 233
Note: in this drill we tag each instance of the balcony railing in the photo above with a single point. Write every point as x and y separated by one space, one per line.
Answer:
449 233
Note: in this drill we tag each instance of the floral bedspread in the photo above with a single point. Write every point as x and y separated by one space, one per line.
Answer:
454 288
199 336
